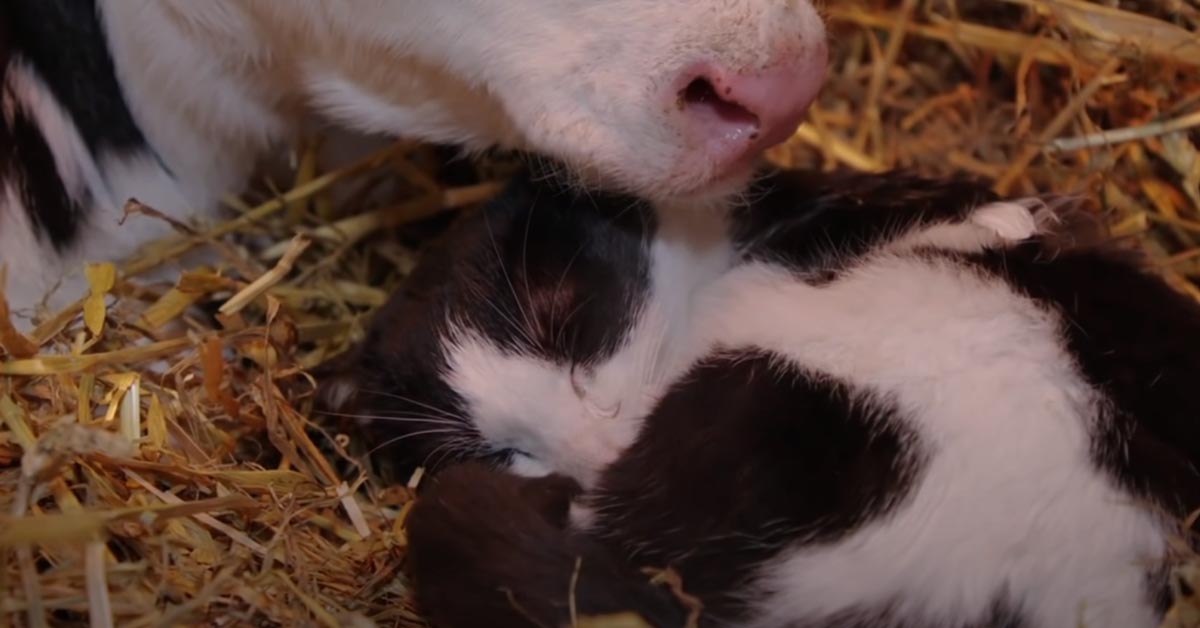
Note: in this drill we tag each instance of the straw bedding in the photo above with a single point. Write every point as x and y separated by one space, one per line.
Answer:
161 468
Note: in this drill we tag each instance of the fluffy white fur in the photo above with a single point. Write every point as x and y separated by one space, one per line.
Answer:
988 226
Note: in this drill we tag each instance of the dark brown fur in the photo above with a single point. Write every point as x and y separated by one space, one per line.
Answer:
492 549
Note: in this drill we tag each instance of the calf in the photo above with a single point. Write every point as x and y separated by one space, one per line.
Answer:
175 102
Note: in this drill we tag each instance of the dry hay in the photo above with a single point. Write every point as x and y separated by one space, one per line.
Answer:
158 468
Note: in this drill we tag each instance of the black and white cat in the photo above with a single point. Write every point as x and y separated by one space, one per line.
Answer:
853 400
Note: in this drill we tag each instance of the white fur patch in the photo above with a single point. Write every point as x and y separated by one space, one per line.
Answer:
988 226
20 248
1009 499
204 86
419 114
1010 221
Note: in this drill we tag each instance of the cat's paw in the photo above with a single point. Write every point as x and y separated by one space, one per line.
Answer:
989 226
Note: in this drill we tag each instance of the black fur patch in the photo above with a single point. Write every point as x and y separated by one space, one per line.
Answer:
820 224
745 458
492 549
555 273
540 271
65 43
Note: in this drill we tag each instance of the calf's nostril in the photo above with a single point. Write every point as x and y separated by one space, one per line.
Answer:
700 90
702 93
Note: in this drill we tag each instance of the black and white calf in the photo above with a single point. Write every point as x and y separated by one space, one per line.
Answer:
175 102
853 401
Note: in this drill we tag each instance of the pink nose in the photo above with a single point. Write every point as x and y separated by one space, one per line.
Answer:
734 115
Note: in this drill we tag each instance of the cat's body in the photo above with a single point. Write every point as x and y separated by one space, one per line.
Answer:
856 401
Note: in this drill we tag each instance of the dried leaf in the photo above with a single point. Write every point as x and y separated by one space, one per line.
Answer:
14 418
101 279
13 342
156 424
213 361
